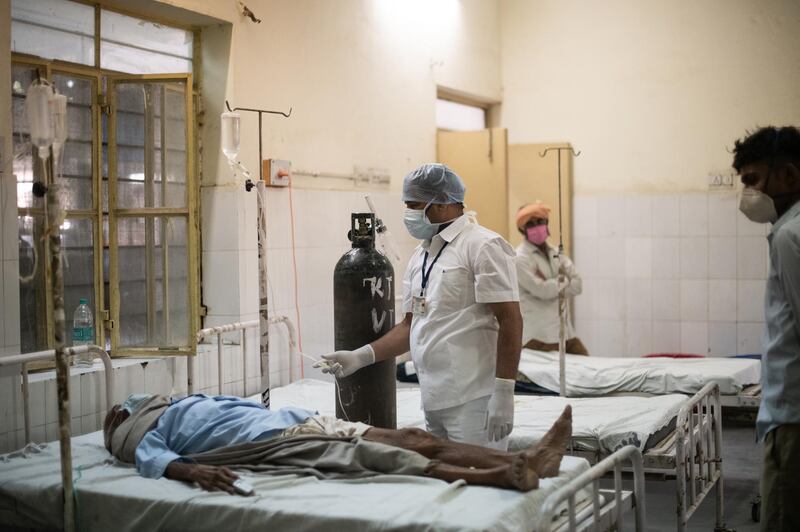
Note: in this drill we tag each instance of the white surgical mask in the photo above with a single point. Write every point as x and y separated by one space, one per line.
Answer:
134 401
418 224
757 206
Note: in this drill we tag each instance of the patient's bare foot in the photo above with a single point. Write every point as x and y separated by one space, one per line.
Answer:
521 475
545 457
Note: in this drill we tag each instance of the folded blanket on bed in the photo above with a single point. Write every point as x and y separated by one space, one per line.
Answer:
325 457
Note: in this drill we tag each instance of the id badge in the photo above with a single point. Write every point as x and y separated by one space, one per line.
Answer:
418 305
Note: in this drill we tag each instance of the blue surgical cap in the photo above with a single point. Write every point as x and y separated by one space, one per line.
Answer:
433 183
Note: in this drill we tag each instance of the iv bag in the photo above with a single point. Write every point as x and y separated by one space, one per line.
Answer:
37 107
229 135
59 114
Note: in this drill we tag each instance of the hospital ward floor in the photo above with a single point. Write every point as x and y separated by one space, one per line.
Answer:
742 470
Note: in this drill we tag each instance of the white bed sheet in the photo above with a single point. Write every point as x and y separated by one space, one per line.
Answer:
596 376
115 497
598 424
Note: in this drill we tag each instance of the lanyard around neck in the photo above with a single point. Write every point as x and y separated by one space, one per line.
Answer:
426 272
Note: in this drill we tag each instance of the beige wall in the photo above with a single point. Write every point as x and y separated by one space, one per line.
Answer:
360 75
652 92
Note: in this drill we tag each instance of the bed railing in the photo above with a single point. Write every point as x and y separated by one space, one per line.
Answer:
8 363
698 454
591 480
240 326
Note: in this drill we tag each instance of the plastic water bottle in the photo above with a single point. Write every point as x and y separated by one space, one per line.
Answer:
83 332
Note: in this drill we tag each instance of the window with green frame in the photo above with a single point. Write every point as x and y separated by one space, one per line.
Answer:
130 239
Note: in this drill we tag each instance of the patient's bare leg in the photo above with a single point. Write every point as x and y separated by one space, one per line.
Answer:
543 458
515 475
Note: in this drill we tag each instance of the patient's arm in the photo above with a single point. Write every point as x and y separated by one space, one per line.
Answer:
211 478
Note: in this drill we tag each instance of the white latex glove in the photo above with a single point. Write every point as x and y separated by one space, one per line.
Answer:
501 409
345 363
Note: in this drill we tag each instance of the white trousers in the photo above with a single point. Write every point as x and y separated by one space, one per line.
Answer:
467 423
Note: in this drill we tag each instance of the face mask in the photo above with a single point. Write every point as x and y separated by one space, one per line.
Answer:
757 206
537 234
418 224
134 401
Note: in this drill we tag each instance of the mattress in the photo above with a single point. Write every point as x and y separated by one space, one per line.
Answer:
111 496
599 424
596 376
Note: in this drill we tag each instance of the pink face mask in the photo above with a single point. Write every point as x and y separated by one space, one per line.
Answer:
537 235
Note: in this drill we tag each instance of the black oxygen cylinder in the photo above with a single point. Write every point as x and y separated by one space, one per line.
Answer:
363 311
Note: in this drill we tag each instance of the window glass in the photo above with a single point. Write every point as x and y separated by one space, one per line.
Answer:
150 174
77 243
53 29
76 161
129 44
32 293
454 116
27 168
153 281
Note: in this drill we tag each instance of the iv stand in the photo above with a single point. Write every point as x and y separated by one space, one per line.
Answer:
562 299
263 289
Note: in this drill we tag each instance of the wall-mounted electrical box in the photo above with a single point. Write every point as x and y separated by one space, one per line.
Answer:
277 173
721 180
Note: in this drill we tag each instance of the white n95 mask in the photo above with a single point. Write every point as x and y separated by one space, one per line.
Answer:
757 206
418 224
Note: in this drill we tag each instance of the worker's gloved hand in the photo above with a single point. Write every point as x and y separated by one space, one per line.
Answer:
345 363
501 409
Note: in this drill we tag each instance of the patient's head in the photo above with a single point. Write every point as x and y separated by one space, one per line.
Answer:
114 419
120 413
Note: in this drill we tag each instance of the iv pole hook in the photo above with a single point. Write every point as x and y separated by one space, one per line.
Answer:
249 183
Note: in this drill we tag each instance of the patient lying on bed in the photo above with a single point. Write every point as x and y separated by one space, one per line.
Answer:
200 439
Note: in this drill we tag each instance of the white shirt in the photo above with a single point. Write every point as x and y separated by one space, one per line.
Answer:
539 297
454 344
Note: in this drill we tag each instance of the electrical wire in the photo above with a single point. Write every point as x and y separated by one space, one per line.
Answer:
338 387
294 270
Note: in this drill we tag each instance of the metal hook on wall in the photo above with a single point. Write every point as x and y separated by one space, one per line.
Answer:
249 184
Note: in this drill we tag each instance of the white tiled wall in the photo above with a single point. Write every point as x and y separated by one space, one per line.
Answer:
669 273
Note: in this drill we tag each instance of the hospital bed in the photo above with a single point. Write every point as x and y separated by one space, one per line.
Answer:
110 496
678 435
592 376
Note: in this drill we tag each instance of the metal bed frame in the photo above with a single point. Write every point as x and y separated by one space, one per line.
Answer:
604 512
692 452
19 364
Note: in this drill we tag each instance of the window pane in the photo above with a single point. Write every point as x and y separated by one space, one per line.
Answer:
141 158
32 302
137 61
137 33
459 117
24 168
53 29
77 241
137 46
76 162
153 282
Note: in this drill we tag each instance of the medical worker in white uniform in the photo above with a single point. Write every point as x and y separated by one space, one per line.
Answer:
462 320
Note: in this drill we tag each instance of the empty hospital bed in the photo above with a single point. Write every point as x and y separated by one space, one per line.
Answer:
677 434
738 378
110 496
